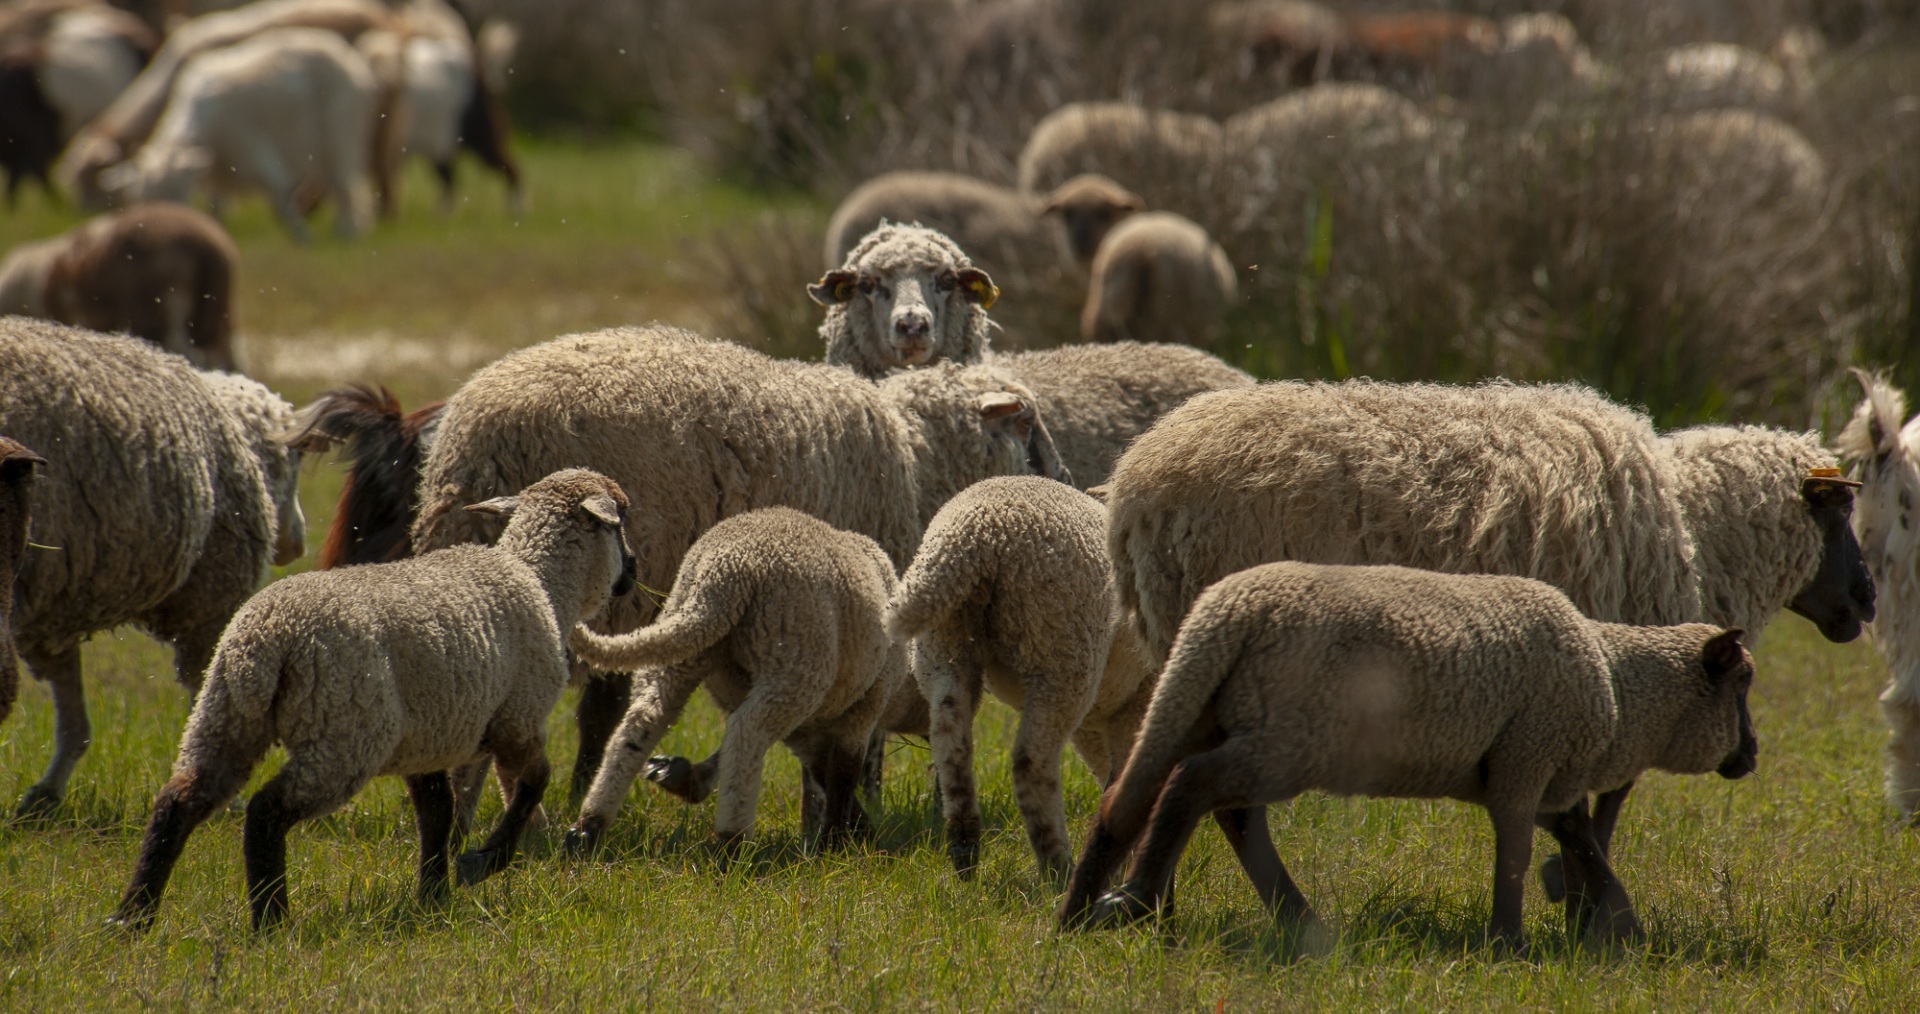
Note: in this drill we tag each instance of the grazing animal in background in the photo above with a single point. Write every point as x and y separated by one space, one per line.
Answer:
383 450
1158 277
1388 681
16 484
288 109
1884 452
1011 593
1089 206
61 63
163 272
407 668
198 490
778 615
1167 158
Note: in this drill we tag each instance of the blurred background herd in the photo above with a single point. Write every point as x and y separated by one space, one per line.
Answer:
1707 207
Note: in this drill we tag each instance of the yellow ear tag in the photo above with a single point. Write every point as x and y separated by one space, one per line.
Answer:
1823 473
843 292
987 292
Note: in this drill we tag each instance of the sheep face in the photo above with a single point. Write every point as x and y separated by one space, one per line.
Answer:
1839 598
290 522
172 174
573 515
1012 418
908 308
1089 206
1715 732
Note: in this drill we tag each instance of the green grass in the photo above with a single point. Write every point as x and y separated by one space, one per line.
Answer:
1788 890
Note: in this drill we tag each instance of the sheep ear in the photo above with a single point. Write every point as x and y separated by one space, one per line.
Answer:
602 507
833 287
996 405
18 461
500 506
1723 654
978 287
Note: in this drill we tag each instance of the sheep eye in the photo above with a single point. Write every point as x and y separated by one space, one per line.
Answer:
946 281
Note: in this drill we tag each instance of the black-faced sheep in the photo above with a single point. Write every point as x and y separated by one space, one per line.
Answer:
905 296
163 272
407 668
1011 593
1158 277
192 525
1884 453
16 483
1388 681
778 615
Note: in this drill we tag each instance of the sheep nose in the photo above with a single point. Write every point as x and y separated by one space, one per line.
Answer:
912 326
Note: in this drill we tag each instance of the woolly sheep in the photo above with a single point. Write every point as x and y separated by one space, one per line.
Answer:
290 108
1886 455
778 615
698 431
1158 276
1011 589
163 272
1167 158
407 668
905 296
1089 206
992 223
1388 681
1721 74
16 485
264 419
155 501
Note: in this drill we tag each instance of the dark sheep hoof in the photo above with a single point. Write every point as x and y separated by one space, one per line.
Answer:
1553 879
579 842
1118 908
472 867
131 922
673 774
965 857
37 804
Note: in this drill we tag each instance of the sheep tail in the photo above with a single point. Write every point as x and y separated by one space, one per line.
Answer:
233 720
685 628
944 574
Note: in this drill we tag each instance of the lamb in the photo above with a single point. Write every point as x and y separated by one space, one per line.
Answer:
1886 455
1722 524
156 500
701 430
778 615
1158 276
163 272
905 296
1011 587
990 222
1167 158
407 668
1389 681
288 108
1089 206
16 485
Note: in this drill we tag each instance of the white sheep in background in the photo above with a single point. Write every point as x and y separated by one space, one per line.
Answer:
1158 277
1011 593
61 63
407 668
1885 454
156 494
1388 681
287 108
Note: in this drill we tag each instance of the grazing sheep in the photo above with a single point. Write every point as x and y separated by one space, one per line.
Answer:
1773 165
453 82
384 448
1011 589
905 296
290 108
163 272
991 223
1166 157
1158 277
118 131
698 431
264 419
1886 455
61 62
154 498
1089 206
778 615
407 668
16 485
1290 40
1388 681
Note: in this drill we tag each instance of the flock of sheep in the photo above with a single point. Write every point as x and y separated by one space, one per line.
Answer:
1221 593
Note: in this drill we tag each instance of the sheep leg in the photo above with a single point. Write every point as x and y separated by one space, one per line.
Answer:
1597 903
1246 830
1606 814
657 702
432 796
72 733
444 170
298 792
873 768
496 853
751 731
677 776
467 782
187 799
1045 726
1512 856
1903 752
840 783
954 699
603 702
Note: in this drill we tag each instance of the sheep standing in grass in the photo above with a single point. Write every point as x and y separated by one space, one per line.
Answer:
156 500
905 296
1885 454
1011 592
698 431
163 272
16 484
1158 277
1089 206
778 615
407 668
1387 681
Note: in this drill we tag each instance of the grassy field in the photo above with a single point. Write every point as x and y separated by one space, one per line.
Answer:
1788 890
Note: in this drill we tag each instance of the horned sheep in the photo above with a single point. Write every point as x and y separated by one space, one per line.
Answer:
1884 452
1011 592
778 615
1389 681
16 484
407 668
163 272
1158 276
192 525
